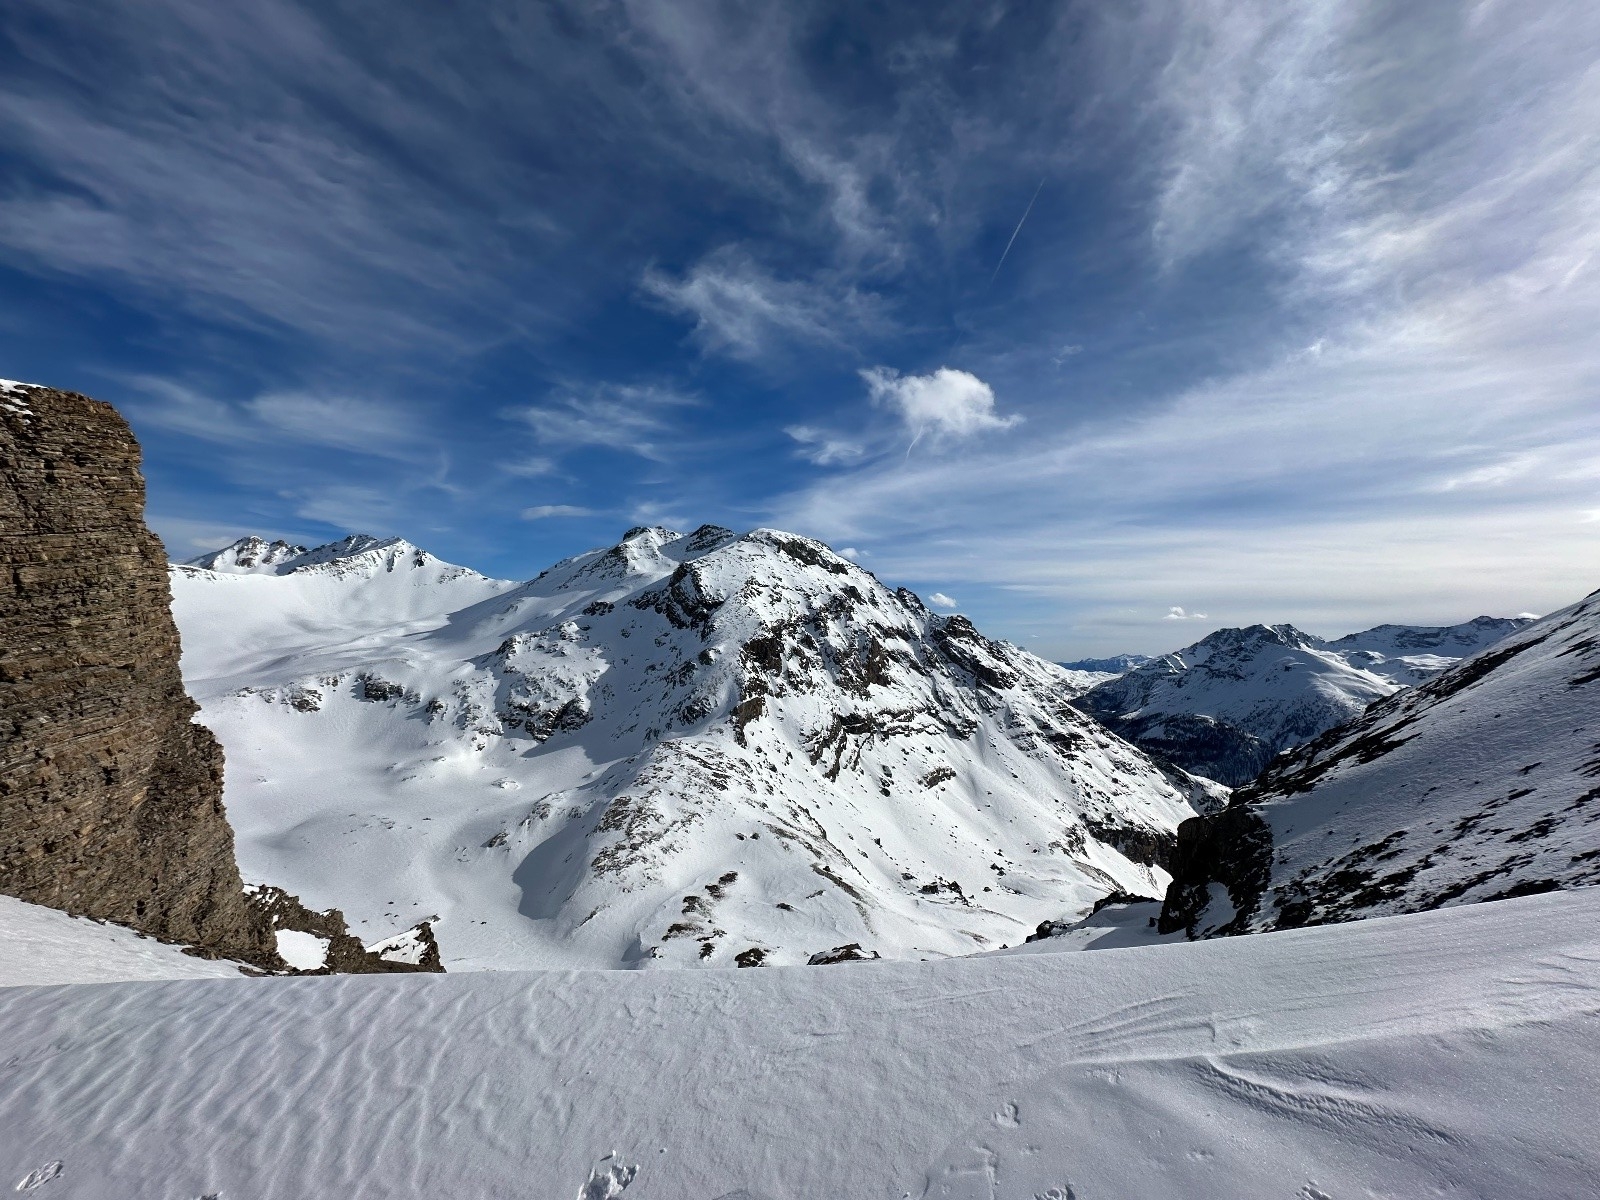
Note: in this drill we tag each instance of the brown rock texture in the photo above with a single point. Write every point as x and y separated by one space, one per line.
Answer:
110 796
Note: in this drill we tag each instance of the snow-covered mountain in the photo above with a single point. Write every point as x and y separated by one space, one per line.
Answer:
1225 706
678 750
1117 664
1481 783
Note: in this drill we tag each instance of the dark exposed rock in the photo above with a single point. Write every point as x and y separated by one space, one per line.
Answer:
841 954
346 954
110 796
1233 848
1194 741
1138 843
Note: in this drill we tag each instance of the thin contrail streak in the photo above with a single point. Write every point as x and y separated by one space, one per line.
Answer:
1014 233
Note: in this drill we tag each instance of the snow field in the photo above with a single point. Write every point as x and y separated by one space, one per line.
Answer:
1443 1054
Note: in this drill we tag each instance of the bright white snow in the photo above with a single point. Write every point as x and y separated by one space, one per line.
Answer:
41 945
1448 1054
302 951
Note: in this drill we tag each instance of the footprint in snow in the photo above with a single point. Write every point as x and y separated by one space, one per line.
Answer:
39 1175
607 1179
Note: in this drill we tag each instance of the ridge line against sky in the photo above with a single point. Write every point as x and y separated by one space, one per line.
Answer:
1297 325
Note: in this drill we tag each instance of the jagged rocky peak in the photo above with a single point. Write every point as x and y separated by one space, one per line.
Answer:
249 554
1478 784
1245 642
682 749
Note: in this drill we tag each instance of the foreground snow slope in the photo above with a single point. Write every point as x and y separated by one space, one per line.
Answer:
1481 783
1451 1054
680 750
1224 706
41 945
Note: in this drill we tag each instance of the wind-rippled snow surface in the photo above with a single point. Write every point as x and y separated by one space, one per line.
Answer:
683 750
1446 1054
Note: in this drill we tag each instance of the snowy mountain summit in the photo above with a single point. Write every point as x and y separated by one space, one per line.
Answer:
1226 705
679 750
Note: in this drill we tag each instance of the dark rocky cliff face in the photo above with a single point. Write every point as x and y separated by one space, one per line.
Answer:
110 797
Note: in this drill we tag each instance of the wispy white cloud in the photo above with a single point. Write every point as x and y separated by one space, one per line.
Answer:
824 447
529 466
345 422
940 600
334 419
632 418
542 512
358 508
741 309
1176 613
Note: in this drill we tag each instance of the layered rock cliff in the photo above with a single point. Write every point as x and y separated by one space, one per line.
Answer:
110 797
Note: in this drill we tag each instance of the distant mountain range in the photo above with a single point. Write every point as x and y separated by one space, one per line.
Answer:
682 749
1479 784
1226 705
1115 665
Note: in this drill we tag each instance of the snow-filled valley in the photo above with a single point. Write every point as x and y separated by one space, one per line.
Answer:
681 750
1448 1054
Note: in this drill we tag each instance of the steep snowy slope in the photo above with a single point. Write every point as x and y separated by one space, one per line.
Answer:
1451 1054
680 750
1226 705
1481 783
41 945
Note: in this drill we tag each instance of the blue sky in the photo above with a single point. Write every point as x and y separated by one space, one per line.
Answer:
1110 323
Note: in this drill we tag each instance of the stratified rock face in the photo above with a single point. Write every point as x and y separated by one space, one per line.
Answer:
110 797
1482 783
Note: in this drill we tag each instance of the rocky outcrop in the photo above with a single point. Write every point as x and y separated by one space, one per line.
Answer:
1228 852
343 953
110 796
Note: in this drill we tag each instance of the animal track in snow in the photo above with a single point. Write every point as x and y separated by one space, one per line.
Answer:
607 1179
1312 1192
39 1175
1007 1117
1055 1193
